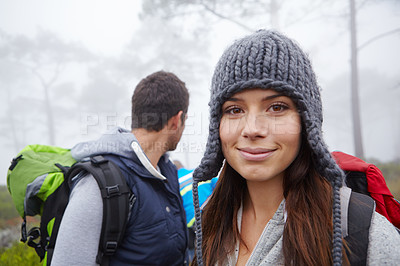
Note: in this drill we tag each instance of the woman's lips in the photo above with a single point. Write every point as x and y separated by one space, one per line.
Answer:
255 154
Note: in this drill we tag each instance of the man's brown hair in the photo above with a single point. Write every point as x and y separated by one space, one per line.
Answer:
156 99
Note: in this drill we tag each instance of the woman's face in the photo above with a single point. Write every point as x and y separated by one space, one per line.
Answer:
260 133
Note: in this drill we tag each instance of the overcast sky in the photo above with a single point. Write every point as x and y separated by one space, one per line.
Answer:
102 26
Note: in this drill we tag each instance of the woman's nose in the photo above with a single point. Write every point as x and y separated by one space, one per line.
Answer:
255 126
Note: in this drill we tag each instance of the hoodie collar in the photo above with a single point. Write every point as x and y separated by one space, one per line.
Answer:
145 161
120 142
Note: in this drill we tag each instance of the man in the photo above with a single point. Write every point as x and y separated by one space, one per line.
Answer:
156 231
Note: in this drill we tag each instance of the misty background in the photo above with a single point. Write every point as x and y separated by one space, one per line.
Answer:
68 68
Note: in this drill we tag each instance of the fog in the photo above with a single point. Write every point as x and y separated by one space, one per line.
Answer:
68 68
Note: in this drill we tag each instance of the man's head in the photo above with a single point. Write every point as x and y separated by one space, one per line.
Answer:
159 105
156 99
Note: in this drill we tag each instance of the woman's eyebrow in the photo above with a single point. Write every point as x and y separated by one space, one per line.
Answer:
273 96
233 99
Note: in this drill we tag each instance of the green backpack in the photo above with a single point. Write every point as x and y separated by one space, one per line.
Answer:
39 181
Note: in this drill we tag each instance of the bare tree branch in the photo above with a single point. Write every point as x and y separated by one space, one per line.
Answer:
49 83
46 86
224 17
380 36
186 13
362 4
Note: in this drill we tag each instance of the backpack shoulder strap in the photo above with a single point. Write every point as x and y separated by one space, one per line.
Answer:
360 210
116 197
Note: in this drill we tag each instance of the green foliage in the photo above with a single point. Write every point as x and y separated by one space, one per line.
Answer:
391 172
7 207
394 187
19 254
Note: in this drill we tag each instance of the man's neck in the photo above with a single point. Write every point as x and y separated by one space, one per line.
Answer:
152 143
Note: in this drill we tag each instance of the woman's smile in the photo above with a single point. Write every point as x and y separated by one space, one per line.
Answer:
255 154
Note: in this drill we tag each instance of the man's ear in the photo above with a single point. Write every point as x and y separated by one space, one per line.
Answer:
174 122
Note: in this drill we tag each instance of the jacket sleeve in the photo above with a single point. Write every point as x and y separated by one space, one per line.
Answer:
79 234
384 242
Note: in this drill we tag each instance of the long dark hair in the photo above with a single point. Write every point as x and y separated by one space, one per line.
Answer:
307 237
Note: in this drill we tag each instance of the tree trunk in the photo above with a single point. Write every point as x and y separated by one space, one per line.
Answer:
274 13
355 105
49 113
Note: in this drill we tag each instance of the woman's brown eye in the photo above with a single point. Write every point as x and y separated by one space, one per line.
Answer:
235 111
277 108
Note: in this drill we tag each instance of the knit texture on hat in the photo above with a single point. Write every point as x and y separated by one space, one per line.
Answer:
269 60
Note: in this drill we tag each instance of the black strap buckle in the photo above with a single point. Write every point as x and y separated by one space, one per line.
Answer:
98 159
113 191
14 162
111 247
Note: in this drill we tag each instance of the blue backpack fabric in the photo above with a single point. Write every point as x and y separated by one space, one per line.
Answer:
205 190
185 187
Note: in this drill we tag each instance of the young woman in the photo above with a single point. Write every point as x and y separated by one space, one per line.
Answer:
278 200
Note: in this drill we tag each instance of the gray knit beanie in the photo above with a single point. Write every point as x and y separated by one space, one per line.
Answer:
269 60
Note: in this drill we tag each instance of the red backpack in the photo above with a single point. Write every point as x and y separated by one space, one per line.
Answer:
367 179
369 190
